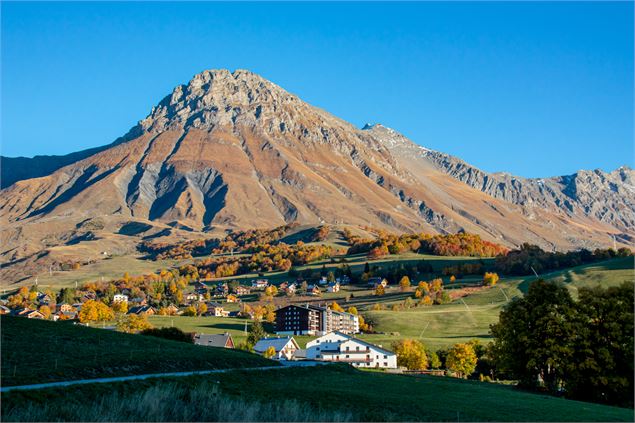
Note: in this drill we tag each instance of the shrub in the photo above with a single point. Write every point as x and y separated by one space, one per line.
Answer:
174 334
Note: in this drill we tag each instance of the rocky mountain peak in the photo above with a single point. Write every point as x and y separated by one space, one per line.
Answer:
220 97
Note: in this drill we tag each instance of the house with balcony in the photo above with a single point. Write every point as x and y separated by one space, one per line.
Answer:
339 347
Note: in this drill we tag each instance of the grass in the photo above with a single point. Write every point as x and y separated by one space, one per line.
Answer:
37 351
111 268
605 274
324 392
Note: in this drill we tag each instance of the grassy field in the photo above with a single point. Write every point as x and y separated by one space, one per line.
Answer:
37 351
335 392
111 268
605 274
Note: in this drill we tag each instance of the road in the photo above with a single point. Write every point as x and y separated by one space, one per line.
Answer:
285 364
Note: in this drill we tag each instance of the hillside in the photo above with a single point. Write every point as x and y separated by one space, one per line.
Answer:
38 351
326 393
233 151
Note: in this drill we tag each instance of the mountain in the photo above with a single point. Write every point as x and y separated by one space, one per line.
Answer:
235 151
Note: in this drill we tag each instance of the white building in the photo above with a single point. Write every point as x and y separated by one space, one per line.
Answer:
341 348
333 287
120 298
285 347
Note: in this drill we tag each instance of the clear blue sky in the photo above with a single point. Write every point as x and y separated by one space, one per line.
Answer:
536 89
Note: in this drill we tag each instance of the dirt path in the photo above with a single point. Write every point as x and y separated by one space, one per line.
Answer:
285 364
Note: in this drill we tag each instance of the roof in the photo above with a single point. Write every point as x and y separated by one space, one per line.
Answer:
139 309
277 343
368 344
217 340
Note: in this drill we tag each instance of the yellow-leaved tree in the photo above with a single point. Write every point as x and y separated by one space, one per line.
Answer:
133 323
461 359
411 354
404 284
269 352
490 278
95 311
335 306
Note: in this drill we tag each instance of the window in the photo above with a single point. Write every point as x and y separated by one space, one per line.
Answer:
346 355
385 364
357 348
385 357
347 348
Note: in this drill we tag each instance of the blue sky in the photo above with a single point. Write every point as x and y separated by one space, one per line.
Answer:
535 89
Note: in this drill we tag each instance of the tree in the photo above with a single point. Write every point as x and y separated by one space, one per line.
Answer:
120 307
133 323
533 336
411 354
190 311
269 352
336 307
442 298
433 359
46 311
461 359
426 301
66 295
330 277
352 310
404 284
601 368
256 332
490 278
95 311
380 290
201 309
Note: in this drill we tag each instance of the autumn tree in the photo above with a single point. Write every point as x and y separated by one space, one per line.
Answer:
380 290
95 311
269 352
490 278
190 311
201 309
336 307
46 311
411 354
352 310
404 284
133 323
461 359
120 307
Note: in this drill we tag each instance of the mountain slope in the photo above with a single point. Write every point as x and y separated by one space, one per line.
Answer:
233 150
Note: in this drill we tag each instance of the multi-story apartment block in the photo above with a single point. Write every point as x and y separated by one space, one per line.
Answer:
314 320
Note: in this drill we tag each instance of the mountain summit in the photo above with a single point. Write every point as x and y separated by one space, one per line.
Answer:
233 150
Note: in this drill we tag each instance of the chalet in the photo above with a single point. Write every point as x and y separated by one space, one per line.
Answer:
192 296
172 309
242 290
4 309
260 284
342 348
43 299
292 288
232 299
66 308
200 285
283 286
333 287
375 282
142 310
323 281
222 290
120 298
313 290
223 340
313 320
201 291
285 348
215 309
28 313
